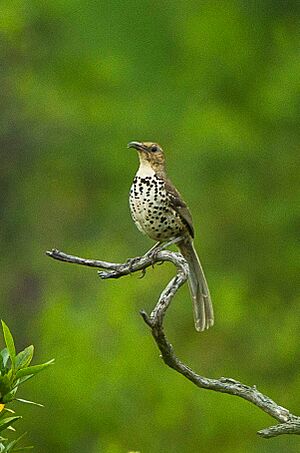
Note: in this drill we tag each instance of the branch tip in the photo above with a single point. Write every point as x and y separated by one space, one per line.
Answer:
146 318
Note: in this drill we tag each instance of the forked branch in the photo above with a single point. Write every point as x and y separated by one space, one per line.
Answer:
288 423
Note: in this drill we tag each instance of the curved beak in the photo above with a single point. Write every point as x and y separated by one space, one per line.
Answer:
137 145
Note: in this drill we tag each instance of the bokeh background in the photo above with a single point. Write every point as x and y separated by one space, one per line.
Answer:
218 85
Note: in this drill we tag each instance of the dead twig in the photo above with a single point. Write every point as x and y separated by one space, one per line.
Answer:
288 423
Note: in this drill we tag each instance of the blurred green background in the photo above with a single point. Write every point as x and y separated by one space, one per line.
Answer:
218 85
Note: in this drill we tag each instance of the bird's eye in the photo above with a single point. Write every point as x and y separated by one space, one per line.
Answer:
154 148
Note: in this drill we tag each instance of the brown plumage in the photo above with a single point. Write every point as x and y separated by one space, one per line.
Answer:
159 211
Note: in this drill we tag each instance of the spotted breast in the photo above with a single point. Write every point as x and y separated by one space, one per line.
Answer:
150 208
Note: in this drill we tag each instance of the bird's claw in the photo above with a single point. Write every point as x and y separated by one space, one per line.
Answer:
153 256
143 273
130 263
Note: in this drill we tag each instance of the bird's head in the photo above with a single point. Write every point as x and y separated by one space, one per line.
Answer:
150 154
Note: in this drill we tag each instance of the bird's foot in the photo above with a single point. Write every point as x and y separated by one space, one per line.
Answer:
131 262
143 273
153 256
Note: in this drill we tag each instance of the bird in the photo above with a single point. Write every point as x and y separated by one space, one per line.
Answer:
158 211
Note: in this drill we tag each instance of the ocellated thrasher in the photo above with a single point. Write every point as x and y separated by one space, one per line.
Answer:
159 211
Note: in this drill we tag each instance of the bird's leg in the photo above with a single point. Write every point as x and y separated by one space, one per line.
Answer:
171 242
164 245
159 246
155 246
154 251
151 252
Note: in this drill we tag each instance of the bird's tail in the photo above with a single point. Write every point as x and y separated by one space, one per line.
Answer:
202 305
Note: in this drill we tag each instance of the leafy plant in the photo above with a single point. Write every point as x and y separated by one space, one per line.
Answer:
15 369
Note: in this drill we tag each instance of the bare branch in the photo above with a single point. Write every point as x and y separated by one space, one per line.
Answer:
288 423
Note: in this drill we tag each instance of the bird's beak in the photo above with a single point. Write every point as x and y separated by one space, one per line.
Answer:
137 145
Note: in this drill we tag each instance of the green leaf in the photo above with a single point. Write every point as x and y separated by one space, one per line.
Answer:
9 341
33 369
29 402
5 386
4 415
4 356
10 396
10 446
24 358
21 381
6 409
24 379
23 448
6 422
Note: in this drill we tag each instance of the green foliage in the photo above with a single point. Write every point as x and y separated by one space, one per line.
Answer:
12 446
14 368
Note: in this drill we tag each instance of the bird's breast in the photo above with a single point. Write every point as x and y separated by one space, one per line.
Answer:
150 208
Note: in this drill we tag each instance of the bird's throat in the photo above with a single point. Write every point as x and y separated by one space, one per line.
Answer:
145 169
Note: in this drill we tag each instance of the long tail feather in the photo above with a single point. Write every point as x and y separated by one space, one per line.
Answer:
202 305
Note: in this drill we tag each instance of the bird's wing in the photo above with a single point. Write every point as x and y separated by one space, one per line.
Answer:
177 203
